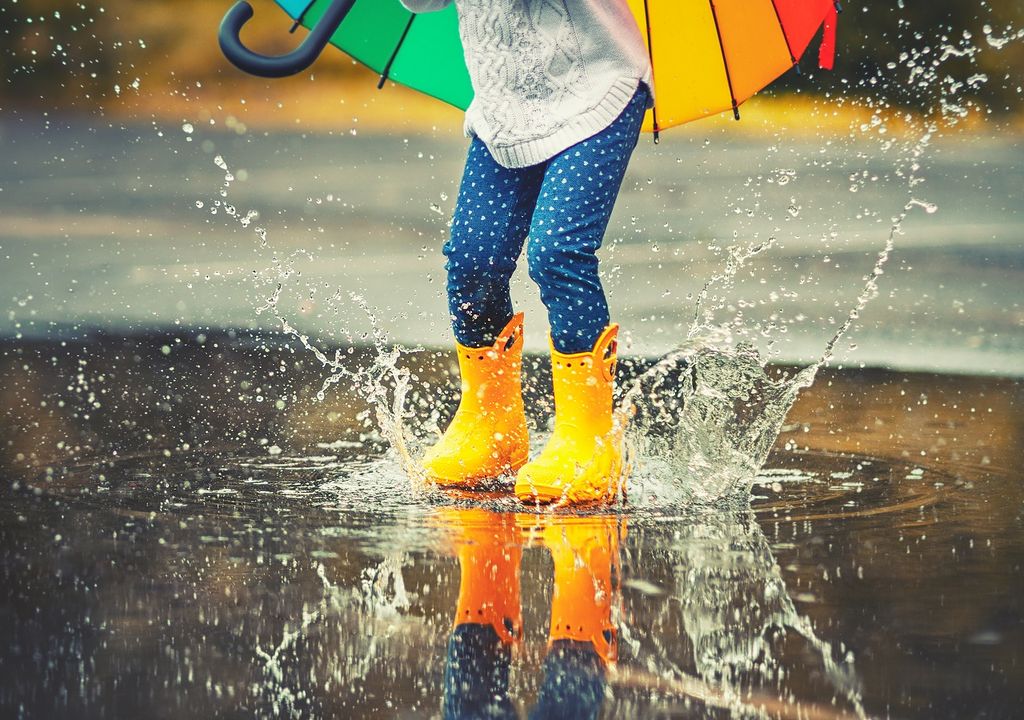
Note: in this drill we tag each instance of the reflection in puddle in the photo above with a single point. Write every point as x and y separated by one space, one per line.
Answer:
748 642
582 640
321 601
291 570
721 588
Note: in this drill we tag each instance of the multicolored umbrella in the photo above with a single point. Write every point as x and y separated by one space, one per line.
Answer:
708 56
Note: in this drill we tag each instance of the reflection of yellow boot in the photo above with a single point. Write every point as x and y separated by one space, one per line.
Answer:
487 437
487 616
584 551
487 545
582 461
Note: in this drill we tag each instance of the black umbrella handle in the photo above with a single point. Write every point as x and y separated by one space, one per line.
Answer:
290 64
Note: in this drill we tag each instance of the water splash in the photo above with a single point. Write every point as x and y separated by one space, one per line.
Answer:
383 383
375 603
727 592
703 315
707 414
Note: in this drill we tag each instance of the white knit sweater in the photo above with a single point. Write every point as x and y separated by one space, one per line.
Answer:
546 74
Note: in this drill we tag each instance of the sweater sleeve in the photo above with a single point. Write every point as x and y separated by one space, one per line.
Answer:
419 6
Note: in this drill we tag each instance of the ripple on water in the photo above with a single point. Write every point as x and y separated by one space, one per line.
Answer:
359 486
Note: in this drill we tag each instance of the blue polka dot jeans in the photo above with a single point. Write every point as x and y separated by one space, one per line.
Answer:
560 209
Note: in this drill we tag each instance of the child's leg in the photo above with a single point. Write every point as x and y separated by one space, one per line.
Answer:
576 199
582 460
487 438
492 217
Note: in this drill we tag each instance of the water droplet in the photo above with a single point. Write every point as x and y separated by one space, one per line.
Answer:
928 207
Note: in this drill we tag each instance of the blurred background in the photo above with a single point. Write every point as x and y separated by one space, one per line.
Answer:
73 57
138 166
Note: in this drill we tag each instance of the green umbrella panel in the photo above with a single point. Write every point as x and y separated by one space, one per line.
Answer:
422 51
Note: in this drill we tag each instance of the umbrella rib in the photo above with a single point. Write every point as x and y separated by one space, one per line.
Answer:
785 37
650 54
301 17
394 53
725 62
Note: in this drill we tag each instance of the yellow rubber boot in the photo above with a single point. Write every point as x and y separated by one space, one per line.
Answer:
584 551
487 438
582 460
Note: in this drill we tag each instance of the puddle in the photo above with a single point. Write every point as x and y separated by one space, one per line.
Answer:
209 553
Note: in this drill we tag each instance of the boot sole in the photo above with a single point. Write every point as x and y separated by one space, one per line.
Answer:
548 495
553 496
464 483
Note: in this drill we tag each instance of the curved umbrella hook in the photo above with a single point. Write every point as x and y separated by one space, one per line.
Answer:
273 67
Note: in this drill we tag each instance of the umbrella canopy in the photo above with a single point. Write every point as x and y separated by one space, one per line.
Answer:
708 55
711 55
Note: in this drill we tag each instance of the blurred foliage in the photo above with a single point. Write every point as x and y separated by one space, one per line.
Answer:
57 55
873 37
